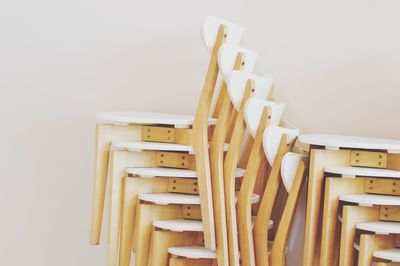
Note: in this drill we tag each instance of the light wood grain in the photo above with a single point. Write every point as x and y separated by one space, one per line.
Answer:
200 144
350 217
319 159
246 191
334 187
119 160
266 206
162 240
278 253
131 187
104 135
371 243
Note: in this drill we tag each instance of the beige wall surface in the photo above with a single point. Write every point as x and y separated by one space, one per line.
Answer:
335 63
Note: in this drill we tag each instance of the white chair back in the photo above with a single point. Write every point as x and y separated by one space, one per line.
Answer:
237 82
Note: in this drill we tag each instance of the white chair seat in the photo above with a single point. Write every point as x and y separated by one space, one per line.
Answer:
337 141
371 199
178 198
139 146
182 225
150 172
362 171
380 227
193 252
147 118
388 254
199 252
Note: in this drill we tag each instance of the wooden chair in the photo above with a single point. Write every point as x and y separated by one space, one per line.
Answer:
166 136
241 86
128 126
228 55
339 151
276 141
354 180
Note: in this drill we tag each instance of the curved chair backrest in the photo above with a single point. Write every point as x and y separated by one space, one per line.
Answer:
254 109
227 57
211 27
272 139
237 82
289 166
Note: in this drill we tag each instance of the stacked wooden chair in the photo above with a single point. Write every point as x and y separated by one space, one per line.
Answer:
361 201
163 140
177 195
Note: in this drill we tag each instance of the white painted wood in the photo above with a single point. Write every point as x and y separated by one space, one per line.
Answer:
180 225
227 57
147 118
272 138
289 165
253 112
193 252
210 30
380 227
389 254
237 82
362 171
139 146
151 172
178 198
170 198
338 141
356 246
371 199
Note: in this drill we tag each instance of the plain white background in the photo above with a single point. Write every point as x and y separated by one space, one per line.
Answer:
336 65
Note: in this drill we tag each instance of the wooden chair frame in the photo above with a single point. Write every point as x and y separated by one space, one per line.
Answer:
245 227
321 158
125 130
263 217
334 187
216 162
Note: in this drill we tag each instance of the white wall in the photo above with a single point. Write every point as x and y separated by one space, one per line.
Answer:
335 65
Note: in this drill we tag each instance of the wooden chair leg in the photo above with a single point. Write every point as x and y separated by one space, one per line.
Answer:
318 161
371 243
334 187
350 217
104 135
162 240
132 186
119 160
145 215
